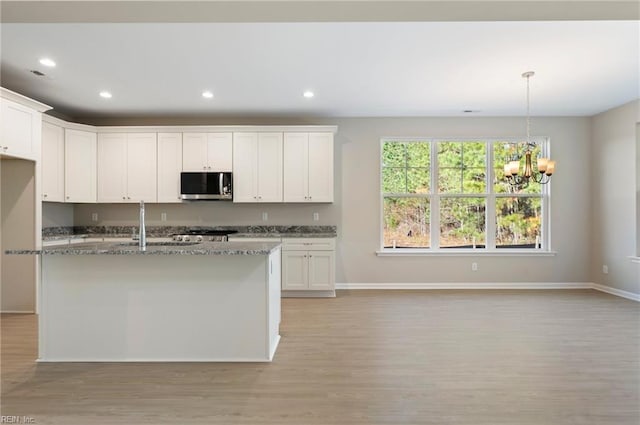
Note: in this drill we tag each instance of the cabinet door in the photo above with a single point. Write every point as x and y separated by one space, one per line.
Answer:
141 167
294 270
169 166
194 152
295 167
80 156
52 163
112 167
245 166
321 270
17 130
320 167
220 151
269 167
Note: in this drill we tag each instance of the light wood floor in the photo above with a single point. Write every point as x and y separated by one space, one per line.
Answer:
369 357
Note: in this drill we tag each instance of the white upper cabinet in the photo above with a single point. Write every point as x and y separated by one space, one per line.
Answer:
169 167
127 167
80 166
141 167
52 163
257 167
308 167
112 167
207 152
20 130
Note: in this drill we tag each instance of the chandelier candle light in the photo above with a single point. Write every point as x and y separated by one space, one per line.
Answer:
546 167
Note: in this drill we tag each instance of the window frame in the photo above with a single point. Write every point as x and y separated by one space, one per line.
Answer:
489 195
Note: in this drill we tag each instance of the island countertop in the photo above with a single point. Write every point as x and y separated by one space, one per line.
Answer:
154 248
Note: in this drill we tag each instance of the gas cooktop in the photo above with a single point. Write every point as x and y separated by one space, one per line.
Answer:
200 235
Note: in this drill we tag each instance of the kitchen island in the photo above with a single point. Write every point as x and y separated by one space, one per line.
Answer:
112 301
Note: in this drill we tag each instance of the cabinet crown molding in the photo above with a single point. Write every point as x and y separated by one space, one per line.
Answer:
23 100
193 128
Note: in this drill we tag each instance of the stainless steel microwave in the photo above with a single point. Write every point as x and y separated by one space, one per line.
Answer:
206 185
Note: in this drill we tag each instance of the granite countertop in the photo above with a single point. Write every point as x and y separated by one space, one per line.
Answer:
254 231
155 248
284 235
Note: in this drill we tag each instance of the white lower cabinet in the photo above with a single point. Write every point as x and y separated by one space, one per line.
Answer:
308 264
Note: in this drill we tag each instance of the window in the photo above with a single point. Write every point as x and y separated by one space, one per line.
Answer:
442 195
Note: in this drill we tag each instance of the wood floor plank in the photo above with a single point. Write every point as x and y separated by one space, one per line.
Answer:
569 357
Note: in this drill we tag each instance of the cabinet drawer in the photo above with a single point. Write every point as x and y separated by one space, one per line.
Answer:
308 244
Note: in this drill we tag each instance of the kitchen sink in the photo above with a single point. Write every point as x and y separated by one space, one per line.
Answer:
161 243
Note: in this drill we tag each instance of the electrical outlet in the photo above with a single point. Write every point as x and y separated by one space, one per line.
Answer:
605 269
265 216
316 216
474 267
94 216
163 216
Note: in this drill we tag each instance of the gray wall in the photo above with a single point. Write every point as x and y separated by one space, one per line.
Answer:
356 210
17 231
638 185
613 183
56 214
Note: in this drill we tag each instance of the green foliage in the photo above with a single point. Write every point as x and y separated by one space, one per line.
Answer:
461 167
406 167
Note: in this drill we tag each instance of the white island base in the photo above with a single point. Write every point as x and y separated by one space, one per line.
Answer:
141 308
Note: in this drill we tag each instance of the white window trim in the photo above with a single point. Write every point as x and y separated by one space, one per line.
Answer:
490 196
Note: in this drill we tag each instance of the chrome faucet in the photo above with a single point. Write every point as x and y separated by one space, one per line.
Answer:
142 234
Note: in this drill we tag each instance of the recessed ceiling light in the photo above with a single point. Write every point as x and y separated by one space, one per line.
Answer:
47 62
106 94
207 94
308 94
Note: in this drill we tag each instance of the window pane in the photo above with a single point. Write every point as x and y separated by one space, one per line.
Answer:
450 154
393 154
405 167
502 152
450 180
393 180
518 222
406 222
462 221
419 154
418 180
474 180
462 167
474 154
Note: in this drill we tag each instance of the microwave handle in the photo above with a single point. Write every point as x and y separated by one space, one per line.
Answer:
221 184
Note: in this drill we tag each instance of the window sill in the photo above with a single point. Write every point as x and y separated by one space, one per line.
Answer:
464 253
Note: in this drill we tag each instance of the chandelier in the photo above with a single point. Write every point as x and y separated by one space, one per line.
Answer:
519 180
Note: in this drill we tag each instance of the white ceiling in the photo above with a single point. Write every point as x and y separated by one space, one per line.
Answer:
355 69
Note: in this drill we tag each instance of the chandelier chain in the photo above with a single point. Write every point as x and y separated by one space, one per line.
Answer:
528 113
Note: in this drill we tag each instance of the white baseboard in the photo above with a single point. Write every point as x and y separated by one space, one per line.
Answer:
614 291
17 312
307 294
468 285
